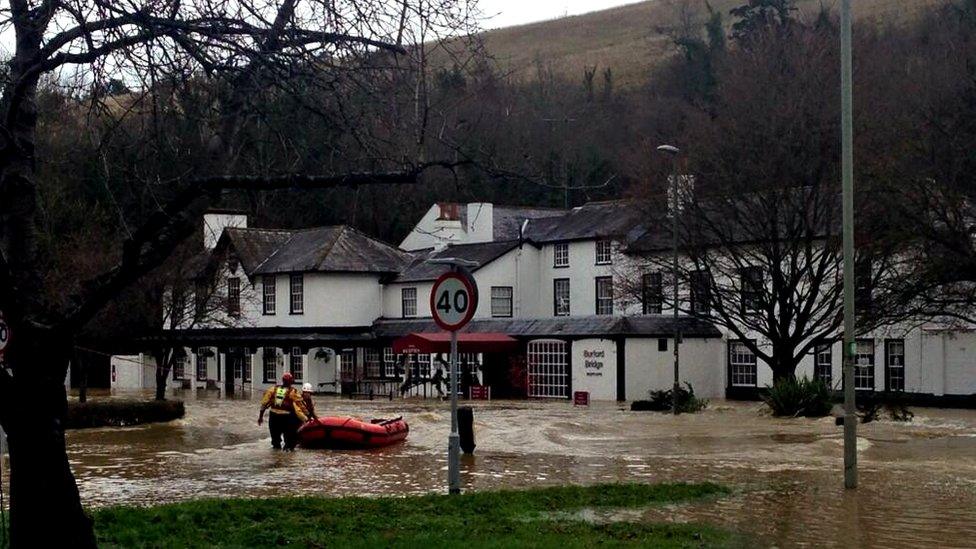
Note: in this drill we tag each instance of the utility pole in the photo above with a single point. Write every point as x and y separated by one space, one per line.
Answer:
673 152
847 170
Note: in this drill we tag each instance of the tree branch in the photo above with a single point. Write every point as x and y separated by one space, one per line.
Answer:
152 243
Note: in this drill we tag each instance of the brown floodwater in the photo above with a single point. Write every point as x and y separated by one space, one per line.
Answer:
918 479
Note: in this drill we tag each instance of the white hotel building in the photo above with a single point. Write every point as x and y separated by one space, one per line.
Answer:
327 303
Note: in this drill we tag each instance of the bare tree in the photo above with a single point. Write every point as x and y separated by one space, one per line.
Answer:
759 218
248 51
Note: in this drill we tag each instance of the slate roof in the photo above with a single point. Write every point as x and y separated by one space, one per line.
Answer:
335 249
482 253
596 326
719 220
253 246
612 218
507 220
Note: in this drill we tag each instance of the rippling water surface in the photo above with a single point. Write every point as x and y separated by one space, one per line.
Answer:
918 479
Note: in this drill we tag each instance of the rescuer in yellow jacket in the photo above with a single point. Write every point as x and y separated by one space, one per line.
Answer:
287 412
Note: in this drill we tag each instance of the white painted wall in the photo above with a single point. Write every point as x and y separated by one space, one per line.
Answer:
594 368
476 225
646 368
581 272
131 372
331 299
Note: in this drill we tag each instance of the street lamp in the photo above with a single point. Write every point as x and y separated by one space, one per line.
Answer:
673 152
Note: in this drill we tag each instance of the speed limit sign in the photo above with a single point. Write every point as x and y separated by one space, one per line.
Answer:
453 300
4 334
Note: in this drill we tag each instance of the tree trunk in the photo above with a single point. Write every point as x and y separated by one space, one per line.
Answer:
164 364
83 375
45 506
783 367
161 375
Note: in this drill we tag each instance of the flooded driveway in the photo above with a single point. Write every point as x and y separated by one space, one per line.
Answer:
918 479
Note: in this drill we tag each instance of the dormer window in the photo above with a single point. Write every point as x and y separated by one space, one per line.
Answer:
449 211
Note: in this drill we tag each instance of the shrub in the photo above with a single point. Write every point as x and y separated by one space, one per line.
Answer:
873 405
120 413
660 401
793 397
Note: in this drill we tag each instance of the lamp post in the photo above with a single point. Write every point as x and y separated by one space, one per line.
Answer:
847 171
673 151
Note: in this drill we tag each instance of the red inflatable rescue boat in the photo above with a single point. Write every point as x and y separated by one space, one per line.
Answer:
349 432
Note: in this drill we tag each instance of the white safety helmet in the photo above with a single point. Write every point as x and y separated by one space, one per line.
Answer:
307 388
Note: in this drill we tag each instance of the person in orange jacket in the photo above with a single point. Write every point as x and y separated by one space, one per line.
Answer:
287 412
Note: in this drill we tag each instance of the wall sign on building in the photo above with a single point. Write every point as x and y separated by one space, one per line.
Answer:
594 368
593 362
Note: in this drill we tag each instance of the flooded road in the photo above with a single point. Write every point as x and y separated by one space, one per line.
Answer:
918 479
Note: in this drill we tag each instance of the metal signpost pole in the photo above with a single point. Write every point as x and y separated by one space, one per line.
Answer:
674 274
847 169
453 440
673 151
453 302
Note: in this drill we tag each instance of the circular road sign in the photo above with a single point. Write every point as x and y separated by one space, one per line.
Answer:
453 300
4 334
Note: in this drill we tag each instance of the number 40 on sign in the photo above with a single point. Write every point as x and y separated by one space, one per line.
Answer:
4 334
453 301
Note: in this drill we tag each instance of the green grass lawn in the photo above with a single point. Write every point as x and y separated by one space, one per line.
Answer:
531 518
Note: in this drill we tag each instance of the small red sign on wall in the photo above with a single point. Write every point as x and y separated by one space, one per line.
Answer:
480 392
581 398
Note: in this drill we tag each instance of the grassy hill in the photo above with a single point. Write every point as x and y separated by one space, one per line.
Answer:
631 39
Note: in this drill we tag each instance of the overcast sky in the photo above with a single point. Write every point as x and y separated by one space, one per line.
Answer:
515 12
498 13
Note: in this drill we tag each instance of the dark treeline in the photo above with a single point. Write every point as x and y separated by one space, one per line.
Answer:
751 96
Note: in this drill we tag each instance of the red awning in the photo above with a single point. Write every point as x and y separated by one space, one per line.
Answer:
440 342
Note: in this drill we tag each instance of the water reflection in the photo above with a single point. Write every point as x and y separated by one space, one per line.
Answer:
918 480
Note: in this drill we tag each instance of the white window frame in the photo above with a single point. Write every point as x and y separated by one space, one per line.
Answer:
371 363
560 255
247 362
269 358
823 361
603 252
743 365
864 365
408 302
201 362
502 306
179 367
234 296
296 287
296 363
389 362
269 293
558 308
347 365
603 289
893 371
